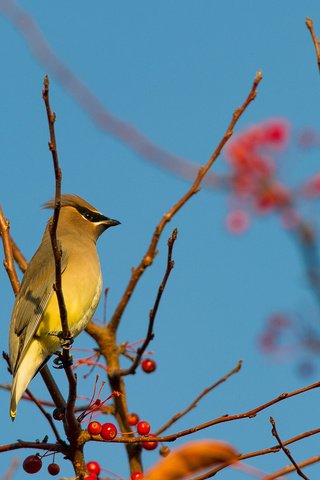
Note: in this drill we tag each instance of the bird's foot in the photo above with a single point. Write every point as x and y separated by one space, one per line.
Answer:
65 342
61 361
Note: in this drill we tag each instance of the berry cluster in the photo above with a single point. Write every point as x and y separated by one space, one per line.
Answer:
33 464
108 431
253 172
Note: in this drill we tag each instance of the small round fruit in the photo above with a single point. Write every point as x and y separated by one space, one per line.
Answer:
109 431
136 476
148 365
150 445
132 419
94 428
164 451
32 464
91 477
54 469
143 428
93 468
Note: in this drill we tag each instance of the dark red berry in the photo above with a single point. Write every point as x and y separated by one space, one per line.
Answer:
132 419
148 365
109 431
136 476
94 428
53 469
143 428
32 464
93 468
150 445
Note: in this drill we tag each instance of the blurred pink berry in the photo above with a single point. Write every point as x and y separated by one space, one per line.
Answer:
237 221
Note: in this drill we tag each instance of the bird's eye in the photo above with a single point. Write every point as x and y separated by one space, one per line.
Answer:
88 216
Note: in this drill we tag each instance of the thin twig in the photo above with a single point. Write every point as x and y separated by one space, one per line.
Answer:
153 311
91 104
223 419
167 217
178 415
57 206
7 247
315 40
291 468
46 414
286 450
18 256
52 447
72 426
12 469
257 453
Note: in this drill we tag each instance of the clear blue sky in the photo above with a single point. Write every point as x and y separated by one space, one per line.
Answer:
176 71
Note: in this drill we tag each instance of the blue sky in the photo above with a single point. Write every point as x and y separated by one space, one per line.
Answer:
176 71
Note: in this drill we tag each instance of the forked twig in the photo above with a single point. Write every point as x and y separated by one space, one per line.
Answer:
286 450
153 311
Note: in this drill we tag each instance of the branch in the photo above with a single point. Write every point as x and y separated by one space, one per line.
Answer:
290 469
286 450
46 414
54 223
167 217
315 40
153 311
90 103
223 419
266 451
8 254
177 416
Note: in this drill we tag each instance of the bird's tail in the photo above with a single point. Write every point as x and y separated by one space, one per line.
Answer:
28 367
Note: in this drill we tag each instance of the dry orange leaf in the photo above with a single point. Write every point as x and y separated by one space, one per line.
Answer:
190 458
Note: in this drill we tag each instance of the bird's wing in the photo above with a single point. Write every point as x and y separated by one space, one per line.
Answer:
31 302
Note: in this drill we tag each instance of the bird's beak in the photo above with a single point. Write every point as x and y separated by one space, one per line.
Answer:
109 222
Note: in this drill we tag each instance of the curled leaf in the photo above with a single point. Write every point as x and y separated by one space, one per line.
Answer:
191 458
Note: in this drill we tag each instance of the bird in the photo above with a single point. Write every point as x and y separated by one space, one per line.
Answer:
35 320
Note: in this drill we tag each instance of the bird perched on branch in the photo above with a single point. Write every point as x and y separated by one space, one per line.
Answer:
35 322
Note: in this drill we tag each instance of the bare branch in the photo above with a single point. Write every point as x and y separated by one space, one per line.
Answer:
286 450
177 416
223 419
167 217
291 468
153 311
315 40
46 414
7 247
54 224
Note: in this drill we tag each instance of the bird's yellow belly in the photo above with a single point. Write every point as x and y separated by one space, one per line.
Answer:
81 300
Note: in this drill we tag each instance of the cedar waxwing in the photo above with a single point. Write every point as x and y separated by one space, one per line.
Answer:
35 320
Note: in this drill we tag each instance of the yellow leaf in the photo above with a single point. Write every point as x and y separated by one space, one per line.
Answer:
190 458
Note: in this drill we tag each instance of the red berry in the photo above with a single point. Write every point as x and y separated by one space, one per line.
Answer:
53 469
32 464
136 476
150 445
94 428
132 419
143 428
108 431
91 477
93 468
148 365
